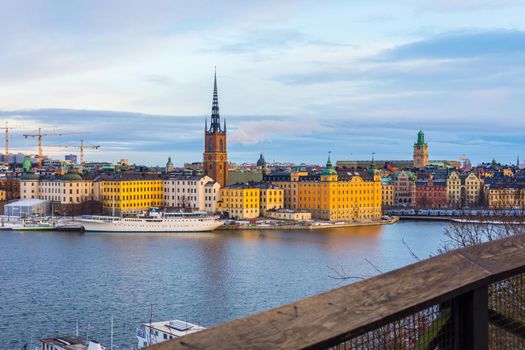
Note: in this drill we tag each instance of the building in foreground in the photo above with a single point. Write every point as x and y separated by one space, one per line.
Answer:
404 188
28 207
463 190
505 196
240 201
332 196
191 192
431 192
270 198
289 215
70 194
10 187
131 194
387 192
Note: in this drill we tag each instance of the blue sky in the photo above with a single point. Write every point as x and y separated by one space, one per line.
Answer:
296 78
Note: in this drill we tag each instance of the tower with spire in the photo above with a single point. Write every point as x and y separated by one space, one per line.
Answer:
215 158
169 166
420 151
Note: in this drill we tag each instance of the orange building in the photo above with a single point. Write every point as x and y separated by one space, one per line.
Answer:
329 198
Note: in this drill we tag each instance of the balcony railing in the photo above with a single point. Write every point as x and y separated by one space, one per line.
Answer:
472 298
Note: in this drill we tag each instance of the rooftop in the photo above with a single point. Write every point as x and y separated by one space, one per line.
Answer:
27 202
68 343
175 327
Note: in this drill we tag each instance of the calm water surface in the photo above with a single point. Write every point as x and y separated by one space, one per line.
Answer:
49 281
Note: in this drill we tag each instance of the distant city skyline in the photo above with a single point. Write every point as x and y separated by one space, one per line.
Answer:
296 78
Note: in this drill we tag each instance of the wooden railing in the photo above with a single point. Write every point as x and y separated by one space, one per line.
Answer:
472 298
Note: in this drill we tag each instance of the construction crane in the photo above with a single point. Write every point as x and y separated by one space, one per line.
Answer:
6 162
40 135
82 146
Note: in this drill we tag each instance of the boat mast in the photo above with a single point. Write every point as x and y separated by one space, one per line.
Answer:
111 343
150 321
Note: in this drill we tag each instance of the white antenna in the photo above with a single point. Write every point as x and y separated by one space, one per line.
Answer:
77 329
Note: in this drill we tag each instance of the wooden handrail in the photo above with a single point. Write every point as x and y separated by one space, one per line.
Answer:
332 317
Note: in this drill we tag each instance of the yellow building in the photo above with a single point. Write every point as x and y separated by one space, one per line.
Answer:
131 195
463 190
289 184
290 215
505 197
240 201
271 198
329 198
387 194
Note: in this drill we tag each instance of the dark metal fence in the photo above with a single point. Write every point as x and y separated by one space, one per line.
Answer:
472 298
430 328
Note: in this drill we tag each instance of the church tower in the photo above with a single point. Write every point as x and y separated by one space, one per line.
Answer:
215 160
420 151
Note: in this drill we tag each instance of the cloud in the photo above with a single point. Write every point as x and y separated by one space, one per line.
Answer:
159 79
254 132
150 139
461 45
273 39
289 75
465 5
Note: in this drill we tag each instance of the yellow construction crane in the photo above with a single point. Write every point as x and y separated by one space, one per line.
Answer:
6 162
82 146
40 135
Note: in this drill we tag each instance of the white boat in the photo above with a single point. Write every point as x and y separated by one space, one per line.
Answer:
155 222
70 343
158 332
34 226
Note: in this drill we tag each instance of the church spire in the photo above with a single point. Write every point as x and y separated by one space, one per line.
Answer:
215 117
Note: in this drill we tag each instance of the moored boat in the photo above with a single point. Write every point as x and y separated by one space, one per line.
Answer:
158 332
155 222
70 343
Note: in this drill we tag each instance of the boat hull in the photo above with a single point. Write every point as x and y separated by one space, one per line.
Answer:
137 225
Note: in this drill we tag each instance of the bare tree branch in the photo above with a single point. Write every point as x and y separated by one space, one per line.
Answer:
342 275
410 250
374 266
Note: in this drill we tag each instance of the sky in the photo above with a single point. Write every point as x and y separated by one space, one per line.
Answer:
296 79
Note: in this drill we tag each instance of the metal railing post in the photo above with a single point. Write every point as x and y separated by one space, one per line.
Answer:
471 320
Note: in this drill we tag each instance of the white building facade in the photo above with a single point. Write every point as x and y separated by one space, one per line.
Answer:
68 189
192 192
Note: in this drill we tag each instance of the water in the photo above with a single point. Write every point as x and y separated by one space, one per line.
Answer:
51 280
